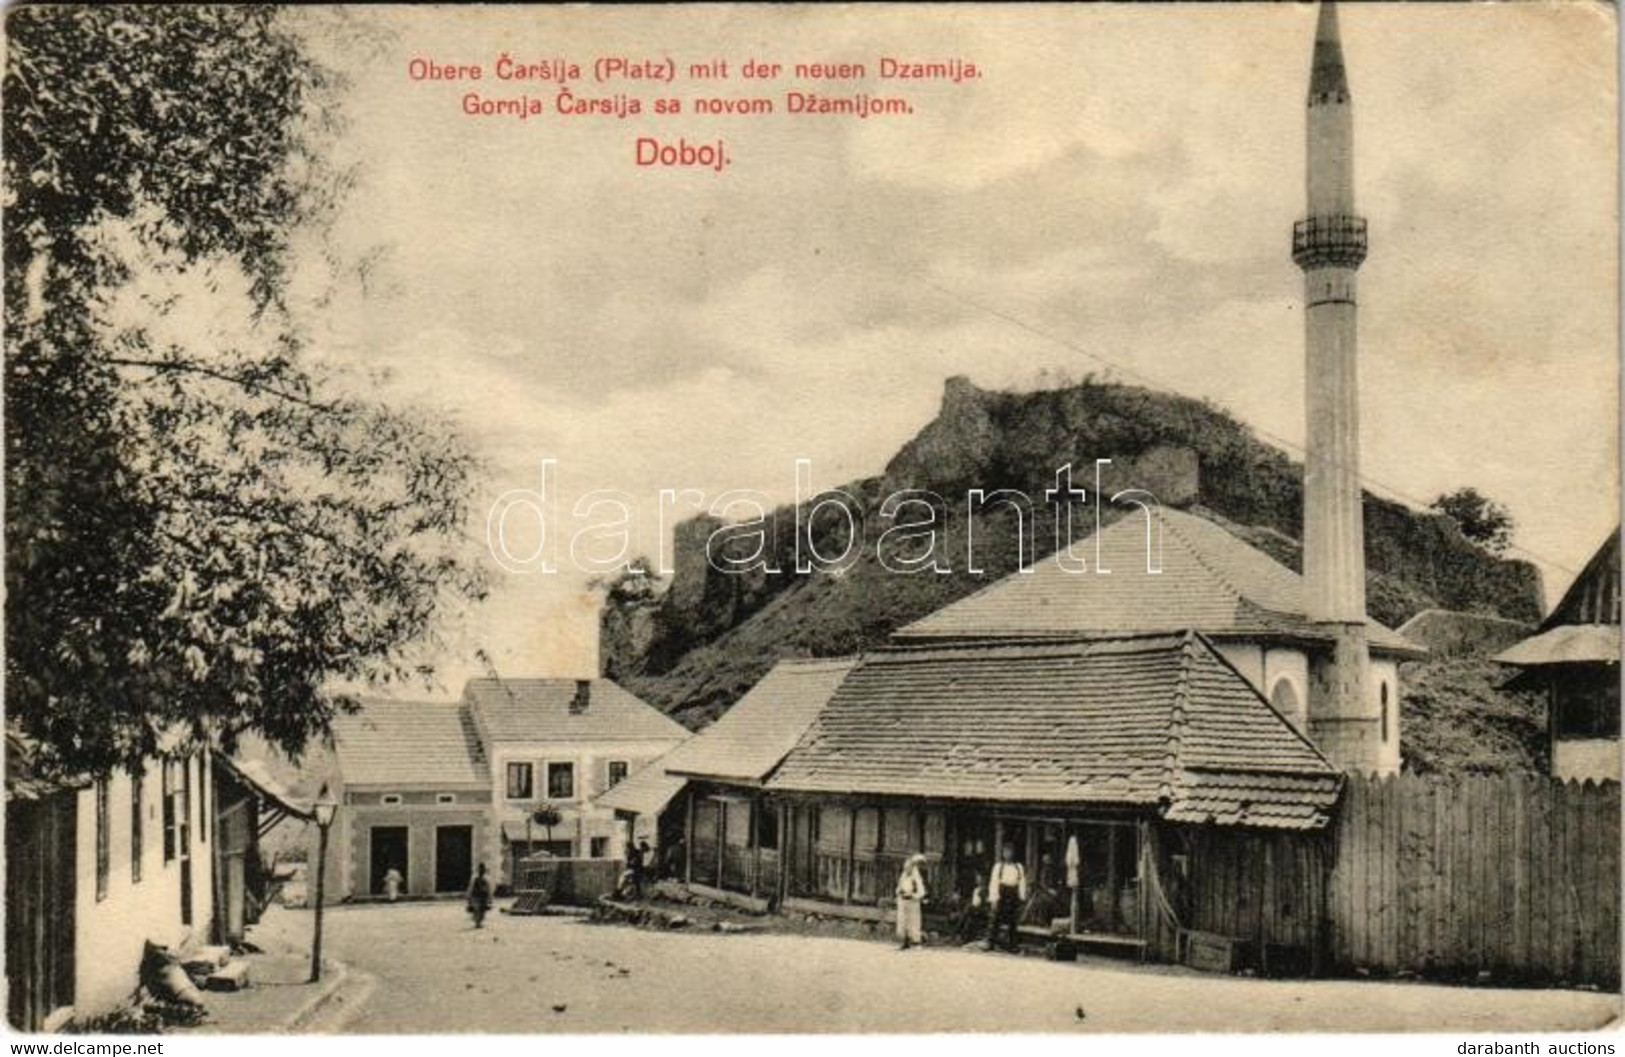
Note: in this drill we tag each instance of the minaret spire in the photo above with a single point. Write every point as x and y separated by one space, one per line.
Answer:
1327 78
1329 244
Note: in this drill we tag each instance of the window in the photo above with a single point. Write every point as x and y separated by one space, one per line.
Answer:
519 782
561 781
390 798
736 822
767 828
204 816
102 835
897 830
834 829
1284 698
167 791
866 827
600 847
1585 705
934 833
1385 713
445 798
183 810
617 772
138 822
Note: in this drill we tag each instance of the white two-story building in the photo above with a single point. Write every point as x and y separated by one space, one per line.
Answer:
431 790
560 742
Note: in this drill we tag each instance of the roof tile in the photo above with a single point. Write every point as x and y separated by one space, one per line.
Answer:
541 710
1158 720
1206 578
409 743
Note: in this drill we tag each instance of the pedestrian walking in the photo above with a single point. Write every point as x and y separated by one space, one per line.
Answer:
1006 891
479 897
641 862
392 884
910 901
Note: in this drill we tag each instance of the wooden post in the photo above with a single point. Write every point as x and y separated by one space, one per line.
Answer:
211 804
786 857
722 842
321 897
1111 877
1142 897
688 838
851 853
756 839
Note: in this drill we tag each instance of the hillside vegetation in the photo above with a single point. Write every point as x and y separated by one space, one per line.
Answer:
697 647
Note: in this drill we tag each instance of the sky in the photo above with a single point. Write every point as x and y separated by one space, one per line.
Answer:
1114 195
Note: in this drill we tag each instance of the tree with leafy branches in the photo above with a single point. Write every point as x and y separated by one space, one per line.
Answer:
1480 518
206 529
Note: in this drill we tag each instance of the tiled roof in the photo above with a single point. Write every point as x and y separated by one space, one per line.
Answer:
748 741
545 710
745 743
1209 580
1567 644
646 792
258 778
1593 597
1159 721
409 743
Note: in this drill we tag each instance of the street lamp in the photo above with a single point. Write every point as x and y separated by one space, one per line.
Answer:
324 809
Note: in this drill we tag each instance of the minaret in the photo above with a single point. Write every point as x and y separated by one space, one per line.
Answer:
1329 245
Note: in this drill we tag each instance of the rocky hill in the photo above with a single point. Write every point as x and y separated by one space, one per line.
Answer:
697 646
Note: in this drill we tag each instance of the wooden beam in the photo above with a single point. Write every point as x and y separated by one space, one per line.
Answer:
851 853
786 858
1111 880
755 839
688 839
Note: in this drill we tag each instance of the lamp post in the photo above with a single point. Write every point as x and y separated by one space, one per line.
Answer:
324 809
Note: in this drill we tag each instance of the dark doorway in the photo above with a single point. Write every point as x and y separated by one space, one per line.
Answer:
453 857
40 842
389 847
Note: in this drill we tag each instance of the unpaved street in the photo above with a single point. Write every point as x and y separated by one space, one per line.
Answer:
523 975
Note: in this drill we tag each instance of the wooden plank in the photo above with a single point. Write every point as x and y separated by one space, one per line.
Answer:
1520 871
1395 869
1477 879
1381 865
1433 913
1472 901
1448 934
1570 860
1583 871
1553 896
1359 920
1402 814
1495 934
688 826
1605 862
1540 885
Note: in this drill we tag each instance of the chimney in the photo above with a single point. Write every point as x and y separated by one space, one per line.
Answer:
1329 245
582 698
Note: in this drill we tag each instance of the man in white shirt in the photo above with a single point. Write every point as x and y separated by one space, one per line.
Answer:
1006 892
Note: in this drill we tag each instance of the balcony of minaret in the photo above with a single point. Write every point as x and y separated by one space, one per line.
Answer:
1336 241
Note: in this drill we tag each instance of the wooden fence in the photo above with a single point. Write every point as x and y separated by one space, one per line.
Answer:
1506 875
